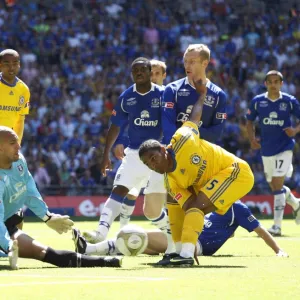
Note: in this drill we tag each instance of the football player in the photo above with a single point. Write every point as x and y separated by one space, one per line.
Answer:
274 110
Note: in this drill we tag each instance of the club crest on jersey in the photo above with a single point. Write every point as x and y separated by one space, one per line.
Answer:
21 100
20 168
282 106
131 101
155 103
195 159
114 113
209 101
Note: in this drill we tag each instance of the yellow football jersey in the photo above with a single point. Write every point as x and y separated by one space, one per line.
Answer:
197 161
14 101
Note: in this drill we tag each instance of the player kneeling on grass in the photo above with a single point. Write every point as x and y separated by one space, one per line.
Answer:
17 188
133 240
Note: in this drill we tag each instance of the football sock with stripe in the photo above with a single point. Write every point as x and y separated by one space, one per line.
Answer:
192 227
126 211
111 210
279 204
107 247
176 218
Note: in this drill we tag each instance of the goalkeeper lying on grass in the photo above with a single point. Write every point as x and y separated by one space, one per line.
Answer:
217 230
17 188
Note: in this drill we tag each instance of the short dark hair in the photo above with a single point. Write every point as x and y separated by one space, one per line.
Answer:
274 72
149 145
142 60
9 52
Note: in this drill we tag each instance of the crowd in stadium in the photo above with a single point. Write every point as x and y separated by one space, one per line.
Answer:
76 62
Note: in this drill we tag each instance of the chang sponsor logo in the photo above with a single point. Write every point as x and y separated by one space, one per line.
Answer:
142 122
270 120
183 117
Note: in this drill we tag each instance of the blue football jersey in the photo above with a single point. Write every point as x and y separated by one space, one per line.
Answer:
178 100
17 188
142 112
219 228
273 117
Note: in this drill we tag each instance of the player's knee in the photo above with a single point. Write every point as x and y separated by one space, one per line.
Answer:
277 183
120 190
201 202
151 212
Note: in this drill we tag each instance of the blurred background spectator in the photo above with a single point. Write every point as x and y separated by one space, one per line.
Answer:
76 58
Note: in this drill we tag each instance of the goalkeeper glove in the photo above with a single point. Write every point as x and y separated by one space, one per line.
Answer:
59 223
13 255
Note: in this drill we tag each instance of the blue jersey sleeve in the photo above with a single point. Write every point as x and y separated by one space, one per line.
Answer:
119 116
168 114
244 217
34 200
214 131
5 241
295 108
252 112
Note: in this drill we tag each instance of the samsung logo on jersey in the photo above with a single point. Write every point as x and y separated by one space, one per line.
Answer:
10 108
270 121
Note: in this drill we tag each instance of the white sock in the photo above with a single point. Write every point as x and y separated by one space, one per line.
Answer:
111 210
279 204
178 246
126 211
162 223
107 247
292 200
188 250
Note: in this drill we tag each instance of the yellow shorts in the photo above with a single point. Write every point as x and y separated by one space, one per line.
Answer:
229 185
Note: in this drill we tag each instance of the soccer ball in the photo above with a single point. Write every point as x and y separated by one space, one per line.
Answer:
132 240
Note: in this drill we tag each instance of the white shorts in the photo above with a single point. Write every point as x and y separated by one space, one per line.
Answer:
279 165
155 184
132 173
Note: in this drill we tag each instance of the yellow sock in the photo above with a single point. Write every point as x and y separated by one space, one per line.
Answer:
192 225
176 218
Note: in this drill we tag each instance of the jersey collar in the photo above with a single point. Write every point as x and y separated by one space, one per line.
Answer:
151 90
8 84
267 96
187 82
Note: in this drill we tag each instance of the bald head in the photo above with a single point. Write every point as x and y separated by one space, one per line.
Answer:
5 133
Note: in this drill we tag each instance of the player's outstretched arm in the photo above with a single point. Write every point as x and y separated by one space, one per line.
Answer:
270 241
196 113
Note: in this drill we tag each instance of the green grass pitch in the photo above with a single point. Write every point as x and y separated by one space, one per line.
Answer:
245 268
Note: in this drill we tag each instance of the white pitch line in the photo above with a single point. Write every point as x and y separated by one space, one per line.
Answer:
85 276
76 282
